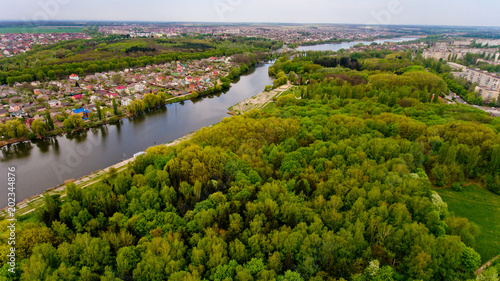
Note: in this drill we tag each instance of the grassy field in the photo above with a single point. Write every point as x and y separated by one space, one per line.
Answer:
481 207
41 29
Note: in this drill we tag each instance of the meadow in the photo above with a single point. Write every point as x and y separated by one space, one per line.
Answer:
481 207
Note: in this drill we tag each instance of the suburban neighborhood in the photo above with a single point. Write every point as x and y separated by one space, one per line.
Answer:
12 44
79 95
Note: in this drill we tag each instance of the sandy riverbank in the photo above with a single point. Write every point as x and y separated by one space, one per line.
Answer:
258 101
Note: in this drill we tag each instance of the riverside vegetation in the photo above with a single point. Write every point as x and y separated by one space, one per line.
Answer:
332 182
116 53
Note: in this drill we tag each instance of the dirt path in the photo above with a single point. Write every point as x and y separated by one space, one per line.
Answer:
486 265
260 100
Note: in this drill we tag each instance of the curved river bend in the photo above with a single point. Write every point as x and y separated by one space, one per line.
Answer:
43 164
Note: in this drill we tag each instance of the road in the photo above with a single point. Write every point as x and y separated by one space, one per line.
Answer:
491 110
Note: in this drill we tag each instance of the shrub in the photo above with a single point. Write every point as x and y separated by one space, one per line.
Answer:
456 186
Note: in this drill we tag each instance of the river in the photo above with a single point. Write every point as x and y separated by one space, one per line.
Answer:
346 45
43 164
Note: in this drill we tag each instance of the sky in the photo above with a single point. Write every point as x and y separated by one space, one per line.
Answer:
395 12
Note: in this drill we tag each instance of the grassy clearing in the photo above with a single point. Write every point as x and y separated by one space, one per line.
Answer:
41 29
481 207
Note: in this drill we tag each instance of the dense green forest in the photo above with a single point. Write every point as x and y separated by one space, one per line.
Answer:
57 61
332 182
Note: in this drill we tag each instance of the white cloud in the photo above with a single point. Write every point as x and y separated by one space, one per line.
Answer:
445 12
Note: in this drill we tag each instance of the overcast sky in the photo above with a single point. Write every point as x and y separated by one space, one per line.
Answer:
428 12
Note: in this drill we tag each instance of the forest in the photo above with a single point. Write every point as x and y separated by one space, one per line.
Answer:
58 61
334 181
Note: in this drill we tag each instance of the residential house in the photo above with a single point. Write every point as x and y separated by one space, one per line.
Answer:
111 95
126 101
83 112
90 107
43 97
94 98
121 89
29 121
19 114
139 87
54 103
77 97
74 77
14 107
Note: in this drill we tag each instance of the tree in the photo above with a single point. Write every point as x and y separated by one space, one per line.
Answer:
39 128
290 276
115 107
126 260
99 110
74 121
48 120
471 260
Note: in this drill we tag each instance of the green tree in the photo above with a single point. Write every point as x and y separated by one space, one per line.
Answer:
99 110
39 128
48 120
115 107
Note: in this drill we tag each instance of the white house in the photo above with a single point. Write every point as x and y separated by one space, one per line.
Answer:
93 99
54 103
126 102
139 87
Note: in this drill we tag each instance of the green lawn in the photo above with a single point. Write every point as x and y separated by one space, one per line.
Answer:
41 29
481 207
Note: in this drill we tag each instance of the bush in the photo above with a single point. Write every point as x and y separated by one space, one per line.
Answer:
493 183
456 186
113 119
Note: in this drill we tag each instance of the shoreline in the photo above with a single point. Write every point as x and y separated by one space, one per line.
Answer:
259 101
324 42
82 182
168 101
32 202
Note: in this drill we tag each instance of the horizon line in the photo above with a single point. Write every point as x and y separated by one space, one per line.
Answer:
76 21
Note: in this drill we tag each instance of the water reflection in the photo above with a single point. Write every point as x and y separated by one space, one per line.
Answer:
55 146
44 144
16 151
47 163
346 45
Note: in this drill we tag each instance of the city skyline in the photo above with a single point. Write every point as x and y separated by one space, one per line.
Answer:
378 12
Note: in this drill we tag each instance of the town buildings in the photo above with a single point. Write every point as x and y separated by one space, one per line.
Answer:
453 50
16 43
488 84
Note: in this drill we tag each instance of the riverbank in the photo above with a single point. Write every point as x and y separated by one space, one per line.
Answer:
46 163
111 120
28 205
340 41
258 101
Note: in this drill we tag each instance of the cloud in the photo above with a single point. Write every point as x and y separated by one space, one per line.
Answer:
429 12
